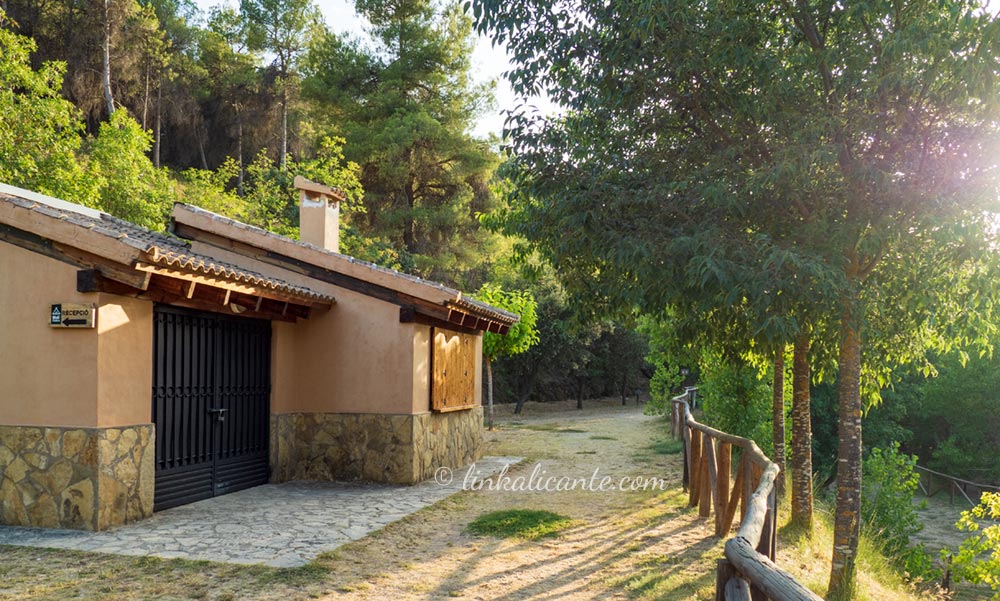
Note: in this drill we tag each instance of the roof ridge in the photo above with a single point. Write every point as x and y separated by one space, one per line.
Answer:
50 201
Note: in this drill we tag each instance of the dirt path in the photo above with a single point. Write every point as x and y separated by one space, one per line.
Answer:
623 545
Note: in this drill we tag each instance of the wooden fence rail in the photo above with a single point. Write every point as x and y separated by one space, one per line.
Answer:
932 483
748 571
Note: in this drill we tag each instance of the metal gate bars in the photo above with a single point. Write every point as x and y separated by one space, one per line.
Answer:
211 390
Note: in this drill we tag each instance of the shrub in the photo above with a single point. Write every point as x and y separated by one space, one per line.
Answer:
978 557
736 398
887 510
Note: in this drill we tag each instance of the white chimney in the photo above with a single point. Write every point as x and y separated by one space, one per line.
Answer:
319 214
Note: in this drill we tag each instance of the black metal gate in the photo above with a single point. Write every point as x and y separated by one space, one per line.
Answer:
211 390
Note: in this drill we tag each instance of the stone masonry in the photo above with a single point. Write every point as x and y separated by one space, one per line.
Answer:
83 478
398 449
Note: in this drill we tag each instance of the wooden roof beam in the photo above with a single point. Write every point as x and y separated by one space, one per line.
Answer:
233 286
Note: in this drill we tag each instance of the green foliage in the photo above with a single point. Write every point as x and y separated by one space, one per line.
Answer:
522 335
573 358
405 102
667 355
129 187
887 511
758 166
978 557
40 132
269 199
520 523
956 416
209 190
945 419
736 398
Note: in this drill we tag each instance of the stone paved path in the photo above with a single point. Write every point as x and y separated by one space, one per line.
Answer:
281 525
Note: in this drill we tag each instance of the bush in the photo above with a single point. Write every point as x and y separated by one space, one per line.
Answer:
978 558
887 511
736 399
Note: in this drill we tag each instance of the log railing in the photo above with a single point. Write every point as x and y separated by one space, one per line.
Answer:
971 491
748 571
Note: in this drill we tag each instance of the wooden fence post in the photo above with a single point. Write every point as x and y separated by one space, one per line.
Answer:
694 486
747 484
724 573
673 419
724 462
686 476
711 475
766 547
734 496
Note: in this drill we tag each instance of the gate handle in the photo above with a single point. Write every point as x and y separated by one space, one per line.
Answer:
220 414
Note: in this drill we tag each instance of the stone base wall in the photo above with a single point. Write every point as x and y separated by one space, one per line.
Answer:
401 449
453 439
83 478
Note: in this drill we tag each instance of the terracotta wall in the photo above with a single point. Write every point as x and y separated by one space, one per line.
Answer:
98 377
47 376
355 358
421 369
124 361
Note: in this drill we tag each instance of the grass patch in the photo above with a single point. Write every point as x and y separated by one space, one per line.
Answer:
602 437
310 573
877 580
667 446
552 428
528 524
586 452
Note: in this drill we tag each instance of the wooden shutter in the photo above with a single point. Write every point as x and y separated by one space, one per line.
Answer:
453 365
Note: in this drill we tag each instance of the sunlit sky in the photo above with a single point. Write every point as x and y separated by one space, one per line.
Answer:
488 62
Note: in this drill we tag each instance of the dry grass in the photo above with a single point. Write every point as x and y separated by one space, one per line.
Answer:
623 545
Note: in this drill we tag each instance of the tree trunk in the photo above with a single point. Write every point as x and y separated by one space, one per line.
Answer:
524 389
282 159
145 99
106 59
201 148
409 227
801 451
624 388
239 152
159 113
579 393
778 418
489 392
847 518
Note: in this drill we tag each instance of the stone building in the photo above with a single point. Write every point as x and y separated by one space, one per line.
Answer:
140 370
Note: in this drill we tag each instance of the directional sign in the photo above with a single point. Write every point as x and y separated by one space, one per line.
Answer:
67 315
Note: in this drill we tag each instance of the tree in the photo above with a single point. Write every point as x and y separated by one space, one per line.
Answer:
129 187
405 102
104 44
232 69
521 336
40 132
280 28
853 142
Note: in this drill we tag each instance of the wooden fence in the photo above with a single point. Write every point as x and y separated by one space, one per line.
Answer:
748 571
932 483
